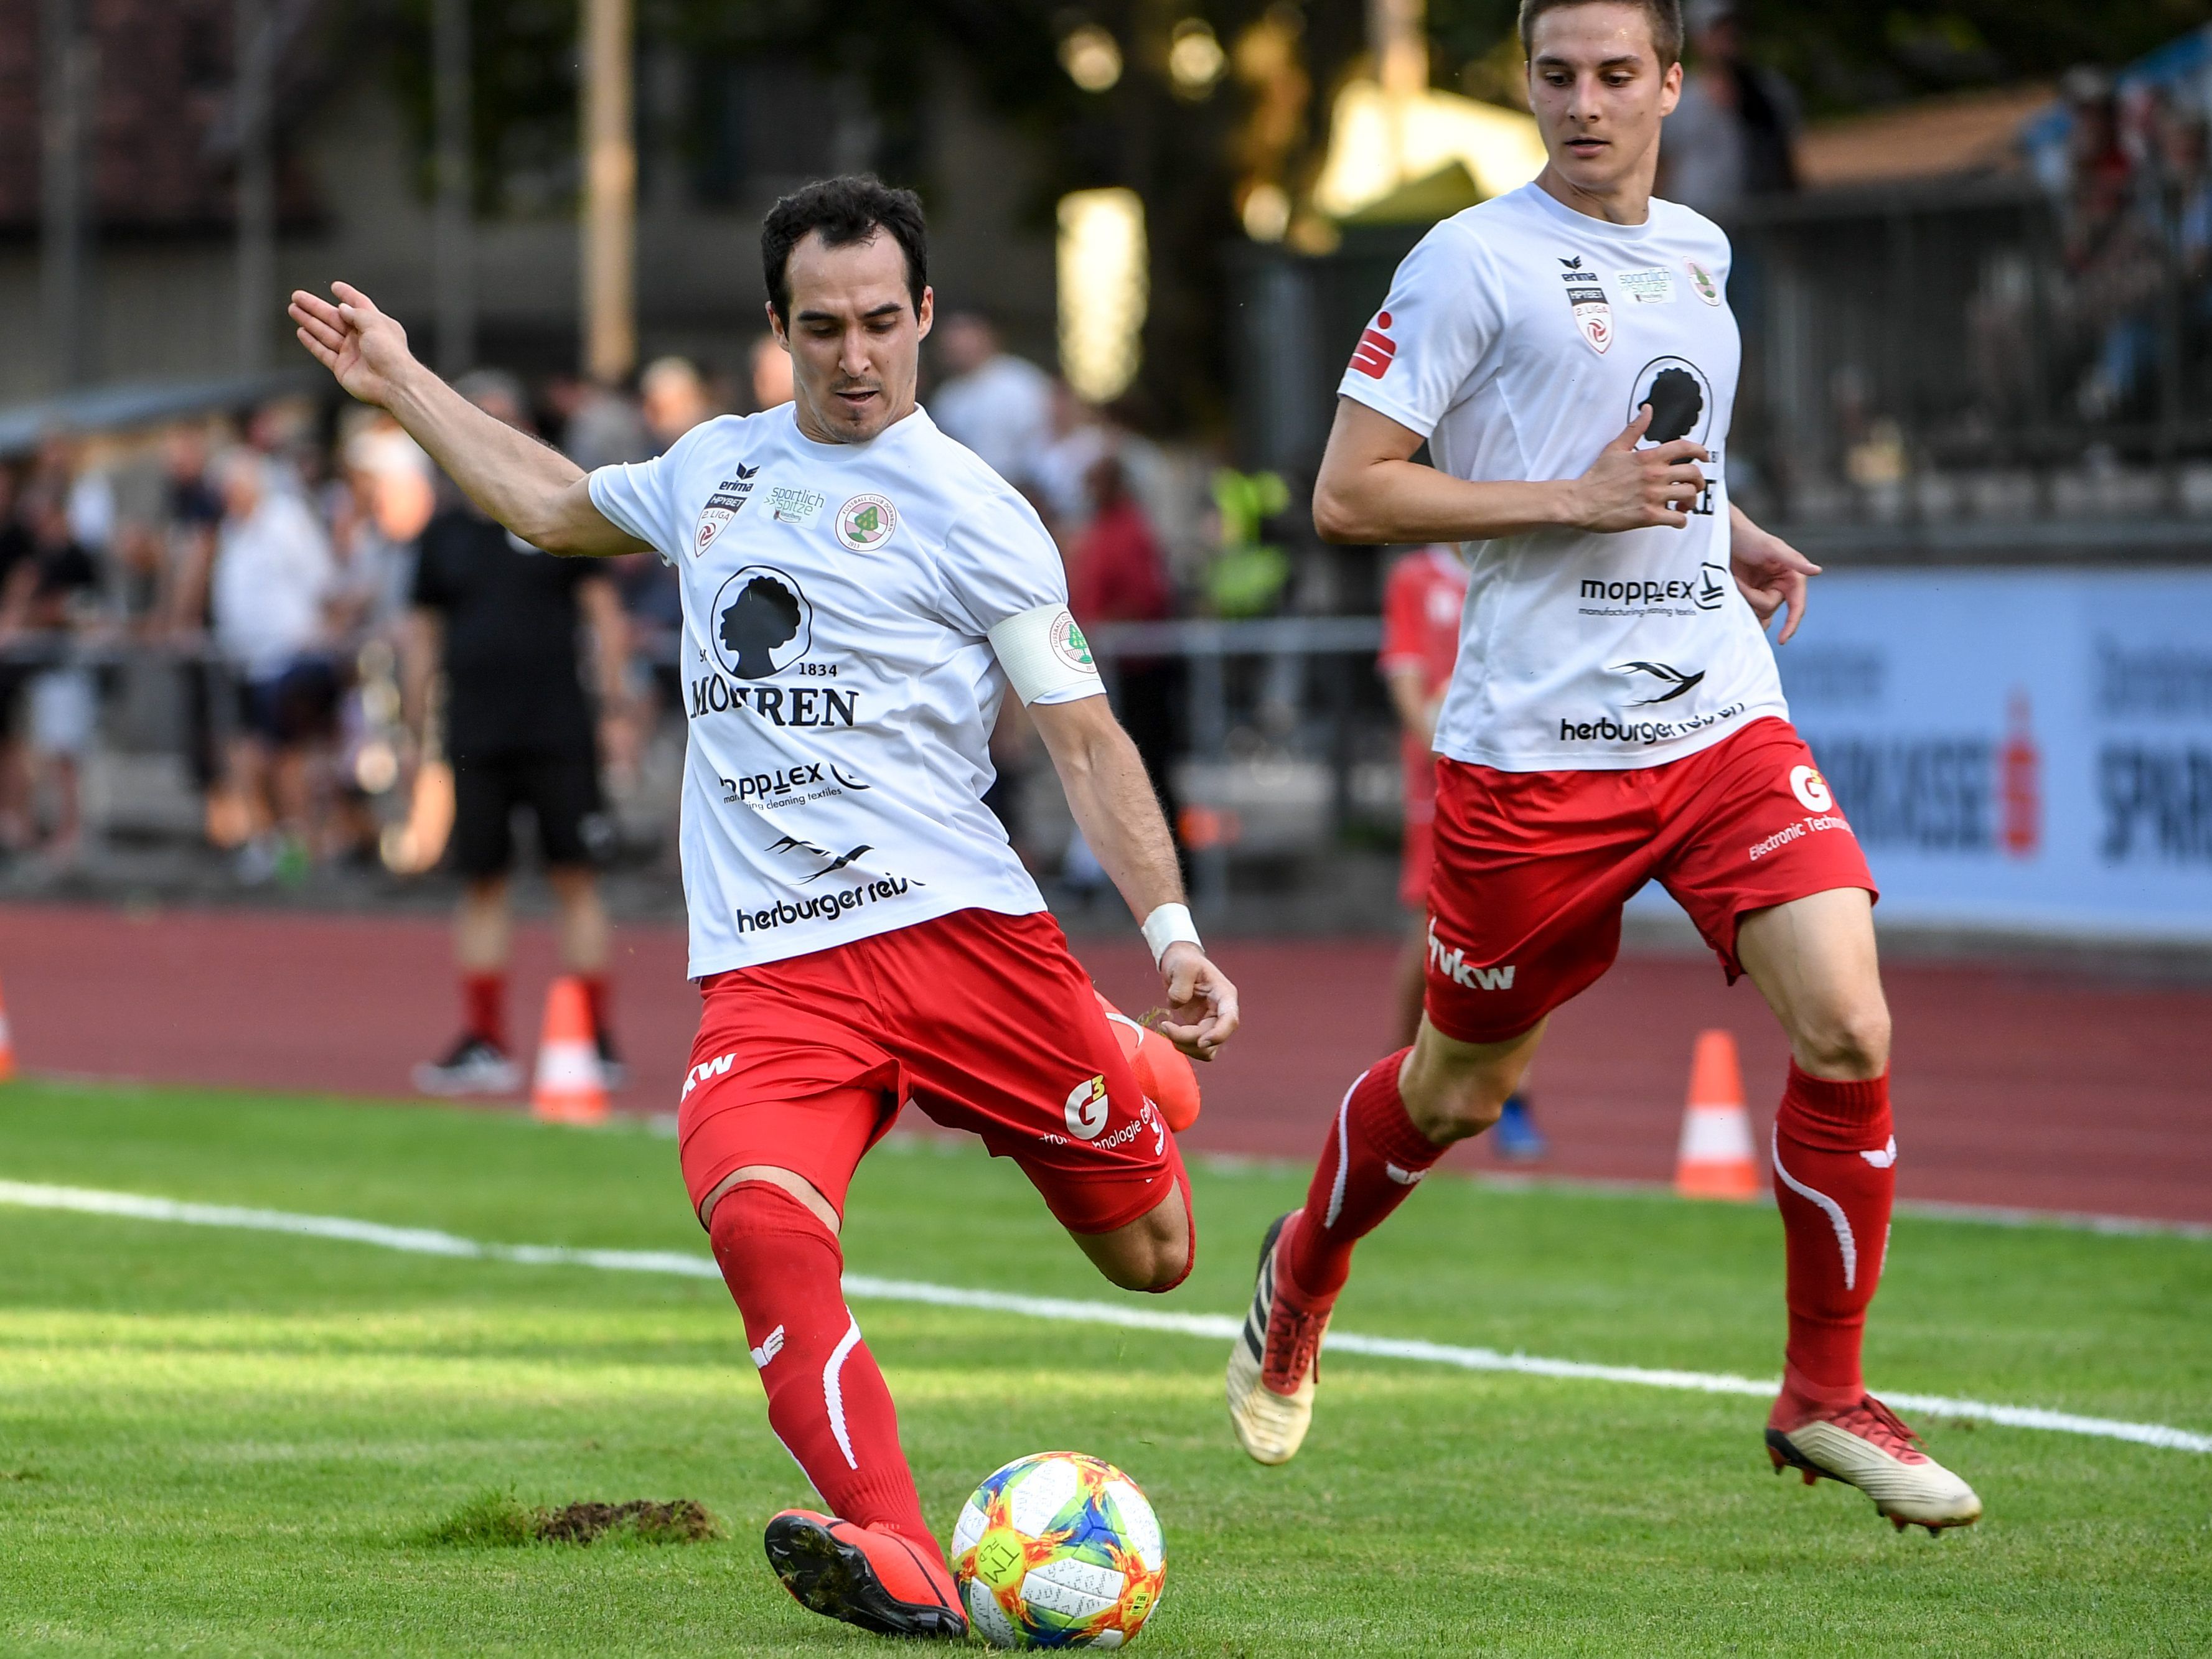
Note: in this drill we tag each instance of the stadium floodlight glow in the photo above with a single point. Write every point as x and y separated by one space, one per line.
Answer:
1379 141
1195 59
1104 288
1267 213
1091 58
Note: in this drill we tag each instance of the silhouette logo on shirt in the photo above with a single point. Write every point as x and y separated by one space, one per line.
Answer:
1681 400
1680 683
762 623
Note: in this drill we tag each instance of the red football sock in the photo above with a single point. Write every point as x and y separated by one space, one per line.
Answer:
827 1401
1374 1157
1834 1175
599 999
483 1007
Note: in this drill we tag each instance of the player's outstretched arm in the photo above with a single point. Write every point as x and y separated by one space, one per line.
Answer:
1772 573
1120 816
531 488
1370 489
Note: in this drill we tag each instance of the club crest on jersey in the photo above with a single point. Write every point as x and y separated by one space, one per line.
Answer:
1593 316
866 522
1069 643
1701 280
724 505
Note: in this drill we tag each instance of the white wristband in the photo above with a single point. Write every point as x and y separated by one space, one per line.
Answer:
1168 925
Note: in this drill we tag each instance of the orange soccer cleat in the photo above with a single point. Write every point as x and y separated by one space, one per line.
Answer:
1163 1072
865 1575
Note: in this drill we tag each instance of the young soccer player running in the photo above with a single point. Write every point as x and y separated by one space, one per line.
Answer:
858 593
1567 353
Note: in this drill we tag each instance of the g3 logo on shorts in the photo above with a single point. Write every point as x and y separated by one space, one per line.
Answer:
1811 788
1086 1107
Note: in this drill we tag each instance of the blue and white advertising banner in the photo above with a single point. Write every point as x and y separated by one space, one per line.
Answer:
2017 749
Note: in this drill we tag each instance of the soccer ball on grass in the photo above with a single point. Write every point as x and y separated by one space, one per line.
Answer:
1059 1550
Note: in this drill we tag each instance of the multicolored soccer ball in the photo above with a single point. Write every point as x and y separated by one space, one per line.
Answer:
1059 1551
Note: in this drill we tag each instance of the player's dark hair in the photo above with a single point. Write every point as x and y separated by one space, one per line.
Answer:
1665 15
844 210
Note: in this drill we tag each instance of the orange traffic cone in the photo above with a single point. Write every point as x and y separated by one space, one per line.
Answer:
1715 1159
7 1046
570 1087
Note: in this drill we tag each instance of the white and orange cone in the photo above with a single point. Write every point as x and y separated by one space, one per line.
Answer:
7 1045
1715 1159
570 1087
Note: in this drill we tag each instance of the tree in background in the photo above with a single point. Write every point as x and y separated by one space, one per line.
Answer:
1194 104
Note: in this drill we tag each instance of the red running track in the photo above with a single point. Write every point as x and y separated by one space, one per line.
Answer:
2016 1087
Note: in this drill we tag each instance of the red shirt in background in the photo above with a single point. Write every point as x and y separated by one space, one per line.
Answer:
1117 574
1421 602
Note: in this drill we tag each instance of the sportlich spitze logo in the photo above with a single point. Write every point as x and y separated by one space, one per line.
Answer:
1069 643
789 505
1809 787
762 623
866 522
1666 674
1086 1107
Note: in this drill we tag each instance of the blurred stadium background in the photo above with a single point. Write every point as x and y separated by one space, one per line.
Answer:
1974 271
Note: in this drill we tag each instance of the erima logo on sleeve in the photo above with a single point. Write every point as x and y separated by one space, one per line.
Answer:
771 1344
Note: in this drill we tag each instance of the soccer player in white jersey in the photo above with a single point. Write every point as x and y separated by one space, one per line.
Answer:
858 593
1567 353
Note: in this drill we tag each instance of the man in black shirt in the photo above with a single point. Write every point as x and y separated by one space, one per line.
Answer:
502 618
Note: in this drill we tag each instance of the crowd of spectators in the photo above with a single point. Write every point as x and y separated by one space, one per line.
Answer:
2136 207
259 571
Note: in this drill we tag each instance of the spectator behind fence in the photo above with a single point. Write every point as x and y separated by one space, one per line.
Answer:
51 599
998 404
1118 574
1734 135
1062 469
16 550
502 620
273 572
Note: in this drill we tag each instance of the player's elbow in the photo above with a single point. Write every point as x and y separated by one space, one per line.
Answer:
1334 515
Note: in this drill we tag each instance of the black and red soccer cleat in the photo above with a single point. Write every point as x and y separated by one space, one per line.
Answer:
865 1575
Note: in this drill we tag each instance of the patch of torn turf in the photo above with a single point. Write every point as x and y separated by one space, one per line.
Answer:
682 1521
500 1520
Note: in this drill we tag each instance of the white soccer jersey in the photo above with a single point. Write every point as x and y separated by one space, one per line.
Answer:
838 683
1520 338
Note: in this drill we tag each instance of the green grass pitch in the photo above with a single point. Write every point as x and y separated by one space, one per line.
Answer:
225 1441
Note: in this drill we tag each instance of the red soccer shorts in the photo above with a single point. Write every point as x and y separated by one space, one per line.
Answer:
984 1021
1532 867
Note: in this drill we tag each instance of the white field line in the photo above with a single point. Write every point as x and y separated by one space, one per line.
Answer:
1218 1327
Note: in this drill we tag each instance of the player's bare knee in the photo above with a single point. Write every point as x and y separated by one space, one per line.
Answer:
1459 1111
1849 1043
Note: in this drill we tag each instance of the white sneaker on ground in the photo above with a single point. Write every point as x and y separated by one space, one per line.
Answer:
1276 1358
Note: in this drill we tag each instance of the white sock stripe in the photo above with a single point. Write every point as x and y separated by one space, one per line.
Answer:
833 1388
1343 1151
1842 1222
